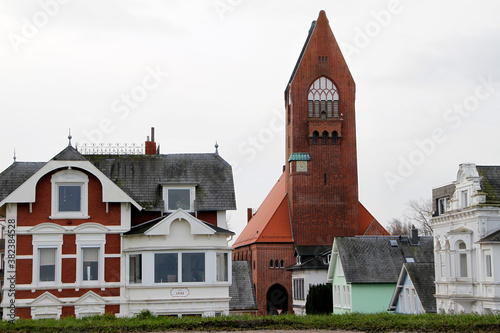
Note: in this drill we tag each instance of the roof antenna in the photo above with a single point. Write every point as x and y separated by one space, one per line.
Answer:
69 138
216 148
14 155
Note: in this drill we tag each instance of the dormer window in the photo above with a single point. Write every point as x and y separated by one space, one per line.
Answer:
69 195
179 197
442 205
323 99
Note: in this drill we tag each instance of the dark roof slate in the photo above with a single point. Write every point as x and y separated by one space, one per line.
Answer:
491 238
422 277
490 183
372 259
141 177
15 175
69 154
242 291
143 227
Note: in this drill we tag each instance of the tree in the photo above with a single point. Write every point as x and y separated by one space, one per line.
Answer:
319 299
418 212
398 228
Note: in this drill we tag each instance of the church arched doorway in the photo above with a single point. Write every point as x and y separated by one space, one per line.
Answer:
277 300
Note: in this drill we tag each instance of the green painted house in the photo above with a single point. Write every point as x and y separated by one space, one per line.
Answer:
364 270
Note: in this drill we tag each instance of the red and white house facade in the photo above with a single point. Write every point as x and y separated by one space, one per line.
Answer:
76 245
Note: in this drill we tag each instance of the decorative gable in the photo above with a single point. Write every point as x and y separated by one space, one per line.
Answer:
46 306
89 304
196 227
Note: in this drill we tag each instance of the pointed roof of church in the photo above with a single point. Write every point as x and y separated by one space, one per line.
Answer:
319 27
271 222
368 225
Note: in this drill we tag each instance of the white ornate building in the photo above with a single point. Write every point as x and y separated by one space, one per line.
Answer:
466 225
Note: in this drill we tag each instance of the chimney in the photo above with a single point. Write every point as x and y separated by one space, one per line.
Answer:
151 145
249 214
413 236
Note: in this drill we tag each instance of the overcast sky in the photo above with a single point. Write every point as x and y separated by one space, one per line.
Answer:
426 74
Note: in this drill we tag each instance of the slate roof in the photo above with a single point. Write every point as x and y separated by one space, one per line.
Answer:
142 176
493 237
372 259
15 175
422 277
145 226
242 291
312 257
490 183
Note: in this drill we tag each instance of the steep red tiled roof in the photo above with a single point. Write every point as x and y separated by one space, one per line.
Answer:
271 222
368 225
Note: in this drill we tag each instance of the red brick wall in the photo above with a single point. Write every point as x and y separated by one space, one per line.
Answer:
68 271
24 245
322 210
210 217
41 209
112 271
264 277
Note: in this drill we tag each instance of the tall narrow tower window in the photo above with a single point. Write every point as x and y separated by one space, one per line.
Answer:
323 99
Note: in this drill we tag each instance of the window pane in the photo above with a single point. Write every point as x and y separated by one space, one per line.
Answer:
463 265
166 267
90 263
179 198
69 198
135 268
47 264
193 267
488 265
222 274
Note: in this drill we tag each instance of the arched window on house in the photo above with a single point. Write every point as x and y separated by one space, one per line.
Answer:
282 263
271 263
462 259
323 99
335 138
276 264
315 137
324 137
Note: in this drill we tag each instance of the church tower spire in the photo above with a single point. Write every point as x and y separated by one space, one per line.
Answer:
321 170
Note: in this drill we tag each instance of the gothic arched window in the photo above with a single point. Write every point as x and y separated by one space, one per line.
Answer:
324 137
323 99
335 137
315 137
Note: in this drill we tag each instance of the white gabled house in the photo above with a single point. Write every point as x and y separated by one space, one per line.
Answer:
466 224
179 259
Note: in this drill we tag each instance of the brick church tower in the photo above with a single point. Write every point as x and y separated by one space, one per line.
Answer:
316 197
321 173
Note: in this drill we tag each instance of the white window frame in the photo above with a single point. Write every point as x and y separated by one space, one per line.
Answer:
442 205
488 265
141 268
462 253
192 196
464 199
69 177
225 261
347 296
180 263
298 289
90 241
46 241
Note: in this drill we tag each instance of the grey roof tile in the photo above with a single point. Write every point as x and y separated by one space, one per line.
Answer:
372 259
15 175
242 291
141 176
422 277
